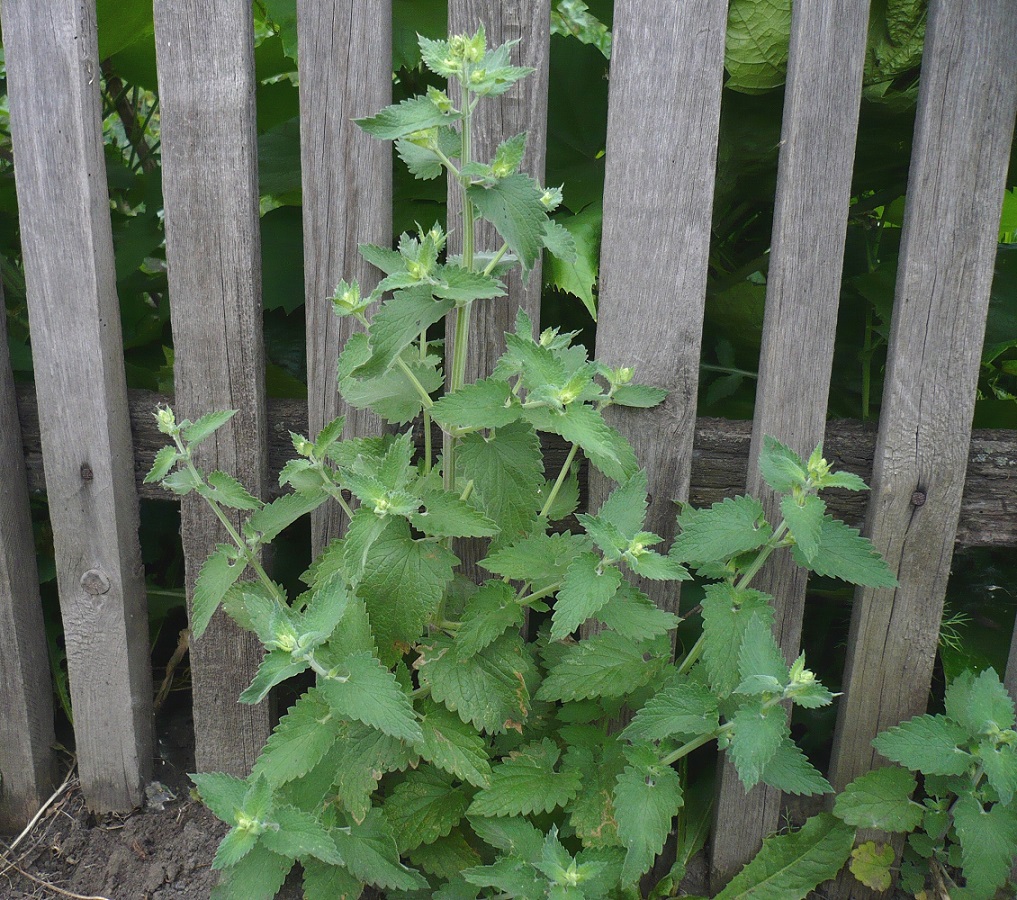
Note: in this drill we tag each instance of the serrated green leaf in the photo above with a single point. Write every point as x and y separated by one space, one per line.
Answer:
397 324
275 668
445 515
929 744
489 614
726 614
682 708
237 843
422 161
453 746
759 655
805 522
258 876
790 865
988 842
273 517
196 432
843 553
591 812
756 51
370 853
446 858
606 665
218 574
325 882
541 559
513 205
782 469
558 241
181 482
632 614
507 472
603 446
1000 765
640 396
587 587
733 526
512 835
655 566
979 704
453 282
402 119
758 735
221 793
403 583
487 403
790 771
423 808
526 782
578 277
385 258
365 690
846 481
625 507
329 435
881 799
227 491
647 797
300 835
509 876
165 459
871 864
392 395
299 742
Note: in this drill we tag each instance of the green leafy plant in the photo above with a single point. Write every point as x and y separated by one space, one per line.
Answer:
438 753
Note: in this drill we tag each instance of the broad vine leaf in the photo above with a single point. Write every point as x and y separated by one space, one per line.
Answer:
491 690
930 744
526 782
843 553
647 797
755 55
423 808
791 865
881 799
727 528
453 745
365 690
587 587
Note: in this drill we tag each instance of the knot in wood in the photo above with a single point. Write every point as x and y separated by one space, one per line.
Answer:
95 582
86 472
918 498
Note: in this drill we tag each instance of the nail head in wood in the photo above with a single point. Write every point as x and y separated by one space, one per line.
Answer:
86 472
95 582
918 498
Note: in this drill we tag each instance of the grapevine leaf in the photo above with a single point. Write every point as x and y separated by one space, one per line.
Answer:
790 771
988 842
606 665
647 797
488 403
526 782
930 744
758 735
218 574
513 205
490 612
791 865
724 530
423 808
805 522
491 690
587 587
843 553
453 746
881 799
402 119
299 742
365 690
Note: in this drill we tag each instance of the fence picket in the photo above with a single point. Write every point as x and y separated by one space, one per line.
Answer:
26 691
821 103
347 192
965 124
53 77
205 57
663 120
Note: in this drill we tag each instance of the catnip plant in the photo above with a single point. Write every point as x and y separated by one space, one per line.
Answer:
438 753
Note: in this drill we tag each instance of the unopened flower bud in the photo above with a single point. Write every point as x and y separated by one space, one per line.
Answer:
166 420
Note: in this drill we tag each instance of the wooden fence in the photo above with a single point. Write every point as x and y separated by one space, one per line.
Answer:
934 483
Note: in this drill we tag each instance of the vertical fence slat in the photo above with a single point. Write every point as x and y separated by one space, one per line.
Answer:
820 127
524 108
205 57
663 120
26 691
347 191
962 140
53 77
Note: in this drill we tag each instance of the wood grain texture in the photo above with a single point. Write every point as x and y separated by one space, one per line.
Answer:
523 108
53 80
963 132
663 119
820 127
205 56
27 760
347 192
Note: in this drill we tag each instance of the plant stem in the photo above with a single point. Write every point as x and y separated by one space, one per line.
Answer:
427 414
562 475
539 595
692 656
686 749
489 268
764 554
425 398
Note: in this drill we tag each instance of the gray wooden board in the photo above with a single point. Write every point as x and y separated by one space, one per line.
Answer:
821 101
963 131
719 463
663 119
347 191
53 80
27 760
523 108
205 57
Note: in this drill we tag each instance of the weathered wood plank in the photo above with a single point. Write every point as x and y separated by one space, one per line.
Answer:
205 57
821 102
53 74
963 132
27 760
524 108
347 191
663 120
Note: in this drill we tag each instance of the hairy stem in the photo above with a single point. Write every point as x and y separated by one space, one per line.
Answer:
559 481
